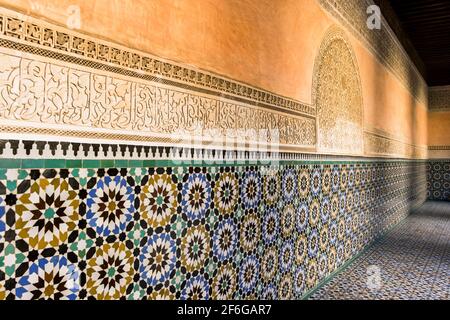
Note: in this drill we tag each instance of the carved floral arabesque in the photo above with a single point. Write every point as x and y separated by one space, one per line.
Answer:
375 144
38 90
337 96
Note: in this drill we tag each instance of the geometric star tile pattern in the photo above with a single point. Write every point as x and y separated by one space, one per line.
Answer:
412 261
185 232
438 179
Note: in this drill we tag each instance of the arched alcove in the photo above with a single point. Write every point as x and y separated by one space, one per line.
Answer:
337 96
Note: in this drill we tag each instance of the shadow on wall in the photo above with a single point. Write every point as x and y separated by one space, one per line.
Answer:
417 181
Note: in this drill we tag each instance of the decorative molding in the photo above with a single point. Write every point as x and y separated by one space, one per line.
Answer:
439 98
384 133
439 152
383 43
38 149
376 144
336 93
48 93
438 147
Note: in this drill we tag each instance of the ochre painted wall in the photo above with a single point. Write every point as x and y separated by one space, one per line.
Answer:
388 105
439 131
260 42
265 43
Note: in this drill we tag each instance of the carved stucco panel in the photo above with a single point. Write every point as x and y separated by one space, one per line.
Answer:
337 96
37 90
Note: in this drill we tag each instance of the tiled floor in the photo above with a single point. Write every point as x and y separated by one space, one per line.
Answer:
411 262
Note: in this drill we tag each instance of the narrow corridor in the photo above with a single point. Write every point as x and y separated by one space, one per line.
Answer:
249 151
412 260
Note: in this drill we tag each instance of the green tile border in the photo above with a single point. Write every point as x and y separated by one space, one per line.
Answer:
107 163
10 163
121 163
91 164
33 163
72 163
55 163
132 163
